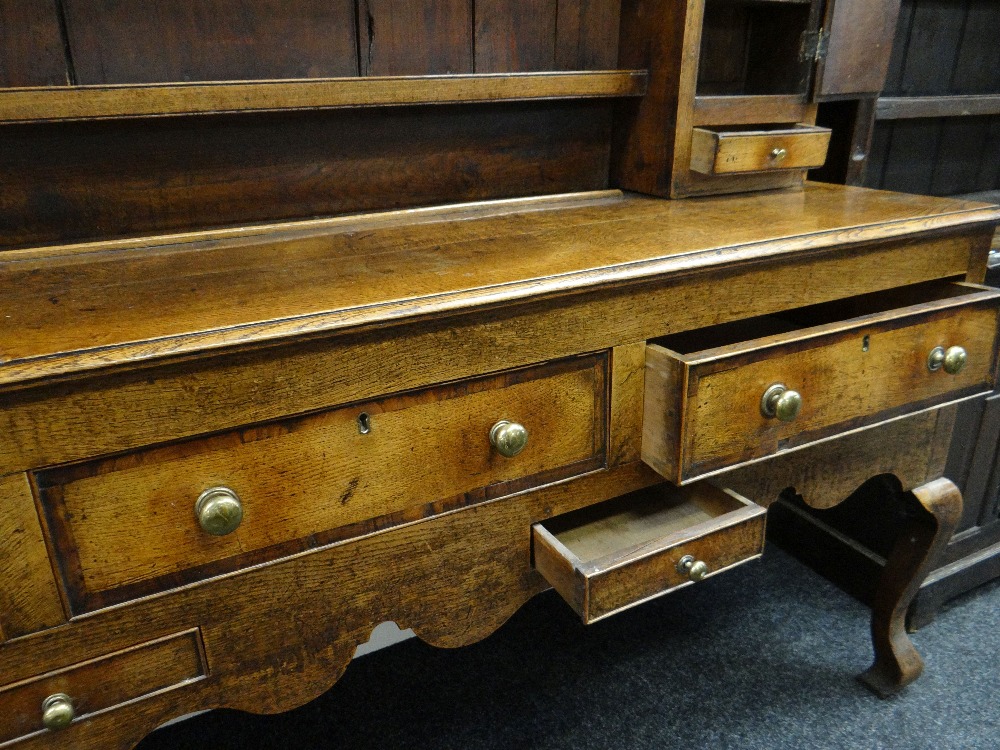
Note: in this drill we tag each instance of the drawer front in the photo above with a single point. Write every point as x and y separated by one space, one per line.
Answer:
704 412
616 555
103 683
737 151
128 526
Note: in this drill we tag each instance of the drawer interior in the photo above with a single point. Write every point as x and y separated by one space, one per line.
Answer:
877 304
622 552
615 529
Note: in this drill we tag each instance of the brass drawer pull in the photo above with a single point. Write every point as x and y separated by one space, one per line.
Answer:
952 360
509 438
219 511
695 570
778 155
781 402
57 712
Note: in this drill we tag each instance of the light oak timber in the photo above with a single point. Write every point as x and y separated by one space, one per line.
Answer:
488 262
157 100
104 683
720 151
308 481
627 384
188 398
29 594
913 450
850 374
455 578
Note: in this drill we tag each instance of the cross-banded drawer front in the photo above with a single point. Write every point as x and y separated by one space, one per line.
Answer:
716 398
165 516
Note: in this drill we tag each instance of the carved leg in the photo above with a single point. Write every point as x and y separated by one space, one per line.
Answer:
937 508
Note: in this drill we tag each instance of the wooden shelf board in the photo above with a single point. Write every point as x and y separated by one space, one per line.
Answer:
912 107
159 100
748 110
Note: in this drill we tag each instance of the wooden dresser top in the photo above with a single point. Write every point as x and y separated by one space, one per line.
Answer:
80 307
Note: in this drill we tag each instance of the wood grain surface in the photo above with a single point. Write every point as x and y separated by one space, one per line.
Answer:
29 595
104 683
289 282
302 480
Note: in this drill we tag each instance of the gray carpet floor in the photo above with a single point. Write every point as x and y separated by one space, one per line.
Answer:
761 658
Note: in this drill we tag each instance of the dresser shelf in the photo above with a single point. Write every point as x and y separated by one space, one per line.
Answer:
59 103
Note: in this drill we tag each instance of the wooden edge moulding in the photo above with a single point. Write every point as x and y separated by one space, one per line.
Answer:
60 103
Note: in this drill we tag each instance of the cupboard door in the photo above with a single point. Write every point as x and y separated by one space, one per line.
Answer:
860 42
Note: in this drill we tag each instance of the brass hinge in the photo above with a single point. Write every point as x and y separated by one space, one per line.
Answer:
815 45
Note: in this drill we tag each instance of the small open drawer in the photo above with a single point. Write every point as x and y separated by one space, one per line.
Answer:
730 394
620 553
758 148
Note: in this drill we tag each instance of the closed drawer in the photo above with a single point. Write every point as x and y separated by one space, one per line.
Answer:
100 684
846 365
127 525
617 554
758 149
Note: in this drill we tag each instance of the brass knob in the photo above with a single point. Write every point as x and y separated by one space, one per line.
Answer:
781 402
509 438
779 154
57 712
219 511
695 570
952 359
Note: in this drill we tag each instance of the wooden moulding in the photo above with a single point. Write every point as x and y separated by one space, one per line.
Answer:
154 100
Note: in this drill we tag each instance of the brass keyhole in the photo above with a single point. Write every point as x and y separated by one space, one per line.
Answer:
364 423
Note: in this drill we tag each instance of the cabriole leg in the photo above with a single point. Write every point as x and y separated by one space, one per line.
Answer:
937 507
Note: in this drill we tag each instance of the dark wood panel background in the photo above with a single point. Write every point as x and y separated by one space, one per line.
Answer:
85 42
942 47
77 181
31 44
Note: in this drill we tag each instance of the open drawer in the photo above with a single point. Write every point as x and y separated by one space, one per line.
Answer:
730 394
758 148
620 553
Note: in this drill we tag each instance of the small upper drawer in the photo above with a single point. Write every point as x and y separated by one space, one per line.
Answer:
166 516
51 702
758 148
734 393
620 553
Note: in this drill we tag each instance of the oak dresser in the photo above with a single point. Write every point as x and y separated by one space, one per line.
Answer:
415 337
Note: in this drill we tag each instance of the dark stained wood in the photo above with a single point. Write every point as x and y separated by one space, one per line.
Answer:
587 34
515 35
131 41
932 48
909 107
31 45
959 154
751 110
170 174
398 37
937 507
861 33
977 69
